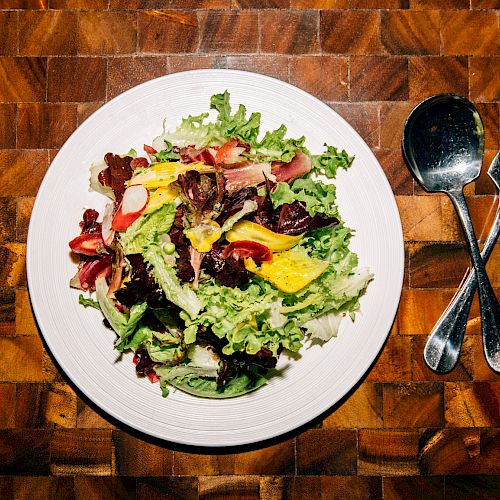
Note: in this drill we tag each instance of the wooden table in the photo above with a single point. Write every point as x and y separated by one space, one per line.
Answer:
405 432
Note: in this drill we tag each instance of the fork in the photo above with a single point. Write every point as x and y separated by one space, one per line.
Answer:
442 350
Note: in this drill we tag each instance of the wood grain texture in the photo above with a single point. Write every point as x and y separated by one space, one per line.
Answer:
77 79
133 457
388 452
410 32
224 32
167 31
22 79
126 72
404 431
47 33
81 452
339 33
25 452
298 33
277 459
45 125
8 32
327 452
322 76
378 78
276 66
107 33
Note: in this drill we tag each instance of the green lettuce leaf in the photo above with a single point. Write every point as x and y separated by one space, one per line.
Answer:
168 353
196 131
147 229
197 385
167 154
325 326
330 161
274 146
236 125
337 290
123 324
164 274
141 336
247 319
327 243
192 132
88 302
131 152
318 197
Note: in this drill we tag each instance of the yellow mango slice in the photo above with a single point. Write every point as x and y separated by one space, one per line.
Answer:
163 174
203 236
250 231
288 271
159 197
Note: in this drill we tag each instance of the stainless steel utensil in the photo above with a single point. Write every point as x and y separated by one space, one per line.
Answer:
442 350
443 145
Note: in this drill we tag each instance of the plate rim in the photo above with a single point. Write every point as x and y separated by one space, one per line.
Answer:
390 314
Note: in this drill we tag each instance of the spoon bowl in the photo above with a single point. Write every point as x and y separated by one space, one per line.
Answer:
443 142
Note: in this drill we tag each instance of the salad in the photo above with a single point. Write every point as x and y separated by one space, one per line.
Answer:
218 250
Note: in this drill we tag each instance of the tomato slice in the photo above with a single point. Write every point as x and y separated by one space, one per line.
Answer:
243 249
149 150
151 374
87 244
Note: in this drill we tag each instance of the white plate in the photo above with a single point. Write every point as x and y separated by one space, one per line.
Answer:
84 348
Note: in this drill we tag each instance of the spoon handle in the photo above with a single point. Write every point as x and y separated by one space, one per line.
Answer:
442 349
490 309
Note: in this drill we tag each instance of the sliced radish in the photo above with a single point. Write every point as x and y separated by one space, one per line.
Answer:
135 199
108 233
87 244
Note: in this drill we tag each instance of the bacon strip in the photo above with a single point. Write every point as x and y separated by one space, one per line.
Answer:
285 172
248 175
91 270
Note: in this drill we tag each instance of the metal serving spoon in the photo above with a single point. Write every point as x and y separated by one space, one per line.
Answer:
445 341
443 145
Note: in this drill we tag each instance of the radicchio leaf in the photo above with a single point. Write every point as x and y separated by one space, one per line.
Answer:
143 363
226 272
141 285
233 202
183 267
202 191
294 219
241 361
89 224
119 171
